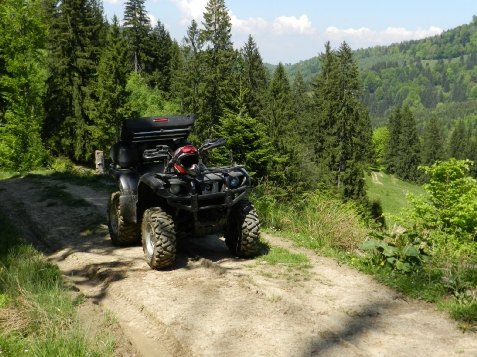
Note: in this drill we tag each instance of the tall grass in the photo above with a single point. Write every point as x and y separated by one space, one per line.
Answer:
37 315
316 220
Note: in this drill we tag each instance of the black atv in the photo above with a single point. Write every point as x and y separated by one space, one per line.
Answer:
167 193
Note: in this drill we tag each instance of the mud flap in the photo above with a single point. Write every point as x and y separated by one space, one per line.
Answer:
127 204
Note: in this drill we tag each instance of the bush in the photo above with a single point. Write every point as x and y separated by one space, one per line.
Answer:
437 253
62 164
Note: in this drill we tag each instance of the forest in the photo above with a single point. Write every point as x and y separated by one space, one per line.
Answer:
68 77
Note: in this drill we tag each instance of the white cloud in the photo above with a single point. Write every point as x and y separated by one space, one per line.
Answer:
368 37
283 25
194 10
152 19
114 2
292 25
250 26
190 10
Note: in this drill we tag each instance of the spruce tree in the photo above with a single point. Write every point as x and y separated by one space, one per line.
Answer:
255 77
433 142
110 90
22 43
247 139
137 28
392 144
279 118
409 150
300 96
354 131
188 80
219 60
158 66
325 106
304 126
342 124
458 141
74 46
281 128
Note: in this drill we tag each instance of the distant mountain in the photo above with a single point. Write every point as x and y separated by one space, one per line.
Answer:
436 75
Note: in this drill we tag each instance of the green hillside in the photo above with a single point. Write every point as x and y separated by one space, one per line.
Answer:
435 75
390 191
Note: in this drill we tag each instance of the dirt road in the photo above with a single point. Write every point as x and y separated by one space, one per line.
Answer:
212 304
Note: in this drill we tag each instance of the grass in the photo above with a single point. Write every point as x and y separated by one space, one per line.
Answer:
315 221
278 255
37 312
278 262
390 191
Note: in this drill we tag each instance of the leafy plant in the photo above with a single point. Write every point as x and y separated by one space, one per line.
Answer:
449 203
402 252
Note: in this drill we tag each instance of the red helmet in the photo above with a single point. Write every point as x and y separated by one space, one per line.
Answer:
186 160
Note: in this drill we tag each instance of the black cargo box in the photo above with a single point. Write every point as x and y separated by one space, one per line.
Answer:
160 128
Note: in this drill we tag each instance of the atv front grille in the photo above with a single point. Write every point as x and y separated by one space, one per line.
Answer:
195 203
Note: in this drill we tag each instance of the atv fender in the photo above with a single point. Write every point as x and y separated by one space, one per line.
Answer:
128 182
155 184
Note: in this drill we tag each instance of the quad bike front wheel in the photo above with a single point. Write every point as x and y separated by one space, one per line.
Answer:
122 233
242 232
158 235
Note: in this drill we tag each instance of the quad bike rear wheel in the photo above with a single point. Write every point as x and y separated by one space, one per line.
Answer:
158 238
242 232
122 233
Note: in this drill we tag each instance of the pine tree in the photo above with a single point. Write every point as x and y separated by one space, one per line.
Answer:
255 77
325 108
219 60
409 150
137 28
279 118
177 67
22 41
247 139
158 67
110 90
458 141
74 46
299 93
392 145
188 80
304 126
444 81
343 124
281 127
302 104
433 142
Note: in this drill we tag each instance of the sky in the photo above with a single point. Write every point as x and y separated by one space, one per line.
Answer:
289 31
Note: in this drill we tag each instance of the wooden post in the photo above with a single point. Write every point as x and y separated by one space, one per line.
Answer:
99 162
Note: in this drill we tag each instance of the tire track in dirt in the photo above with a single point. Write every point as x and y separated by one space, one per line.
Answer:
212 304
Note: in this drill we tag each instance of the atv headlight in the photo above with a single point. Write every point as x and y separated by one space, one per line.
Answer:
175 189
234 181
